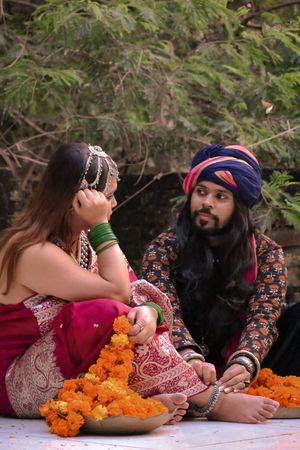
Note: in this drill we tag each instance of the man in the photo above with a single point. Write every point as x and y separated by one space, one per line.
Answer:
226 280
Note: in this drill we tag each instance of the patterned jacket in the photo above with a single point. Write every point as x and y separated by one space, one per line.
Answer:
264 307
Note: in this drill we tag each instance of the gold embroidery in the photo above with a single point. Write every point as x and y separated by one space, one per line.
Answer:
44 309
34 378
158 368
143 291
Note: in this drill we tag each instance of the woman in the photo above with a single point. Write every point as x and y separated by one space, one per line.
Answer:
62 286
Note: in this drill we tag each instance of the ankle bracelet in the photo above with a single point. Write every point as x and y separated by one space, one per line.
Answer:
203 411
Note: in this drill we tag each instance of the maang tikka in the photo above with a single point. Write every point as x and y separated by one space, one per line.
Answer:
97 152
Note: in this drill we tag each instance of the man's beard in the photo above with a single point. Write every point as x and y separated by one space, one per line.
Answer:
216 230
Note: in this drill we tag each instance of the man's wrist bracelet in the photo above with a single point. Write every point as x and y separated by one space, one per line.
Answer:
243 361
246 359
189 355
160 314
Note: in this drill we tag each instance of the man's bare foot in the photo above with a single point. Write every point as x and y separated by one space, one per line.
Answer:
244 408
176 403
236 407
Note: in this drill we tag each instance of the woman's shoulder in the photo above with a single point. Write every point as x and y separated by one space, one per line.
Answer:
40 251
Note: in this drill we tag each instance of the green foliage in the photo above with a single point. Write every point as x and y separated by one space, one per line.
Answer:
150 79
278 204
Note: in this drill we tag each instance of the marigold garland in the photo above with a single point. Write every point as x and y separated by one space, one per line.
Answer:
286 390
103 391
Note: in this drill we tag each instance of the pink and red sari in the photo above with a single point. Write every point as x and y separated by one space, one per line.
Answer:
44 340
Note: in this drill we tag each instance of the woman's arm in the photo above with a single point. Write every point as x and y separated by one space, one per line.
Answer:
48 270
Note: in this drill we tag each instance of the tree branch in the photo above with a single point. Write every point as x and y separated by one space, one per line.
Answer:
1 11
155 178
282 133
272 8
22 2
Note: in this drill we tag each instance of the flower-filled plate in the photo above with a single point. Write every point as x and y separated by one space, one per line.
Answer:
125 424
287 413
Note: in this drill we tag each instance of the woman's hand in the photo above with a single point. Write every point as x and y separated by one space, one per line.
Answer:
235 379
143 319
205 371
92 206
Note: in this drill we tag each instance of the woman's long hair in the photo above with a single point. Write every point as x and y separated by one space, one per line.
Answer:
47 212
211 282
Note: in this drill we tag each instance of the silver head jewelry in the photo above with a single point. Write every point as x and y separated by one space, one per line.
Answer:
96 153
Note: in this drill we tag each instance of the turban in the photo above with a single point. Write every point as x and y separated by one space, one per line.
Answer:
233 167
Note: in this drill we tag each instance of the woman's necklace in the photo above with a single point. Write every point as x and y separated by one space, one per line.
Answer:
84 253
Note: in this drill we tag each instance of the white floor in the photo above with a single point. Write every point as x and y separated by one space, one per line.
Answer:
276 434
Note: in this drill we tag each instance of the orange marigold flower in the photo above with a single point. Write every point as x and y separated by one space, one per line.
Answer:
285 390
122 325
103 391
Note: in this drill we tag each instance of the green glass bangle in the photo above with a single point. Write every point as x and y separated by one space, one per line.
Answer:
95 242
100 233
99 228
110 244
160 314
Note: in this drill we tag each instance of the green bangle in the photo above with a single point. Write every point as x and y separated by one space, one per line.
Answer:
110 244
100 240
99 228
101 233
160 314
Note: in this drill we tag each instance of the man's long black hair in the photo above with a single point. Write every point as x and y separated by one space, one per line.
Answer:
211 282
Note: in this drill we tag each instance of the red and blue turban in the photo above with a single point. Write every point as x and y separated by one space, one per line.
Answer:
233 167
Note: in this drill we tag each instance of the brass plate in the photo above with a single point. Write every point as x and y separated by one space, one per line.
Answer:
287 413
125 424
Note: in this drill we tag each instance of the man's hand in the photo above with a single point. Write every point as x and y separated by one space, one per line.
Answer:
234 378
205 371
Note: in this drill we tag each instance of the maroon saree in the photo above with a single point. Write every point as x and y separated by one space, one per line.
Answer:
44 340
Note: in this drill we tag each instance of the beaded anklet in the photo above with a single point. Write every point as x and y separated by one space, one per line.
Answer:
203 411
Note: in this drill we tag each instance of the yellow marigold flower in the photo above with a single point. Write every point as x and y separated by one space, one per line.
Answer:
92 377
62 407
103 391
114 386
119 340
99 412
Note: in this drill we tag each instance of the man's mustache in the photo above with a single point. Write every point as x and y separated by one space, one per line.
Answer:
205 211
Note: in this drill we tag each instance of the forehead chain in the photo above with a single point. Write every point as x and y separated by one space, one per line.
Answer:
96 151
